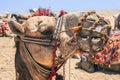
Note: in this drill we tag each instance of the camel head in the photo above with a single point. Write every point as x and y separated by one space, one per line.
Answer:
95 32
35 27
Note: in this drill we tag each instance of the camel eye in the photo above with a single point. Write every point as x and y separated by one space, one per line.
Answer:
36 26
39 22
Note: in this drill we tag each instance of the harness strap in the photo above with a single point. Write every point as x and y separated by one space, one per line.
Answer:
56 44
53 72
58 28
38 41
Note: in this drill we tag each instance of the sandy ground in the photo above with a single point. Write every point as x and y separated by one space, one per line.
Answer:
7 70
7 52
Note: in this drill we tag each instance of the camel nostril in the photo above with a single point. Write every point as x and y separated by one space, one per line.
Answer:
95 40
85 38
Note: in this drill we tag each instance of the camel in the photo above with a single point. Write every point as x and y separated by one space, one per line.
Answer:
116 21
40 12
35 44
19 17
108 59
5 16
36 27
101 26
112 53
4 29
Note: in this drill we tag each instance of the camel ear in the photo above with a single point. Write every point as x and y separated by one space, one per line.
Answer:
71 21
16 27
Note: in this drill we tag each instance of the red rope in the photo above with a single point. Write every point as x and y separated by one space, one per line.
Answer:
53 71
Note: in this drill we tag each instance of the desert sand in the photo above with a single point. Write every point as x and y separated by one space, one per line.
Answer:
7 55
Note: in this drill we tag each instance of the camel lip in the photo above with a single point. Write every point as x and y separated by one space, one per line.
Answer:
90 51
82 50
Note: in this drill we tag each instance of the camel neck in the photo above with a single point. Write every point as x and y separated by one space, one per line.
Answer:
28 66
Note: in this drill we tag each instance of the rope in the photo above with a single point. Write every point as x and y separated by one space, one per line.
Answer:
58 27
64 71
56 44
53 72
69 68
85 16
96 21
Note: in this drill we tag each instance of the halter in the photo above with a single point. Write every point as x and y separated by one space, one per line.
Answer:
93 26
